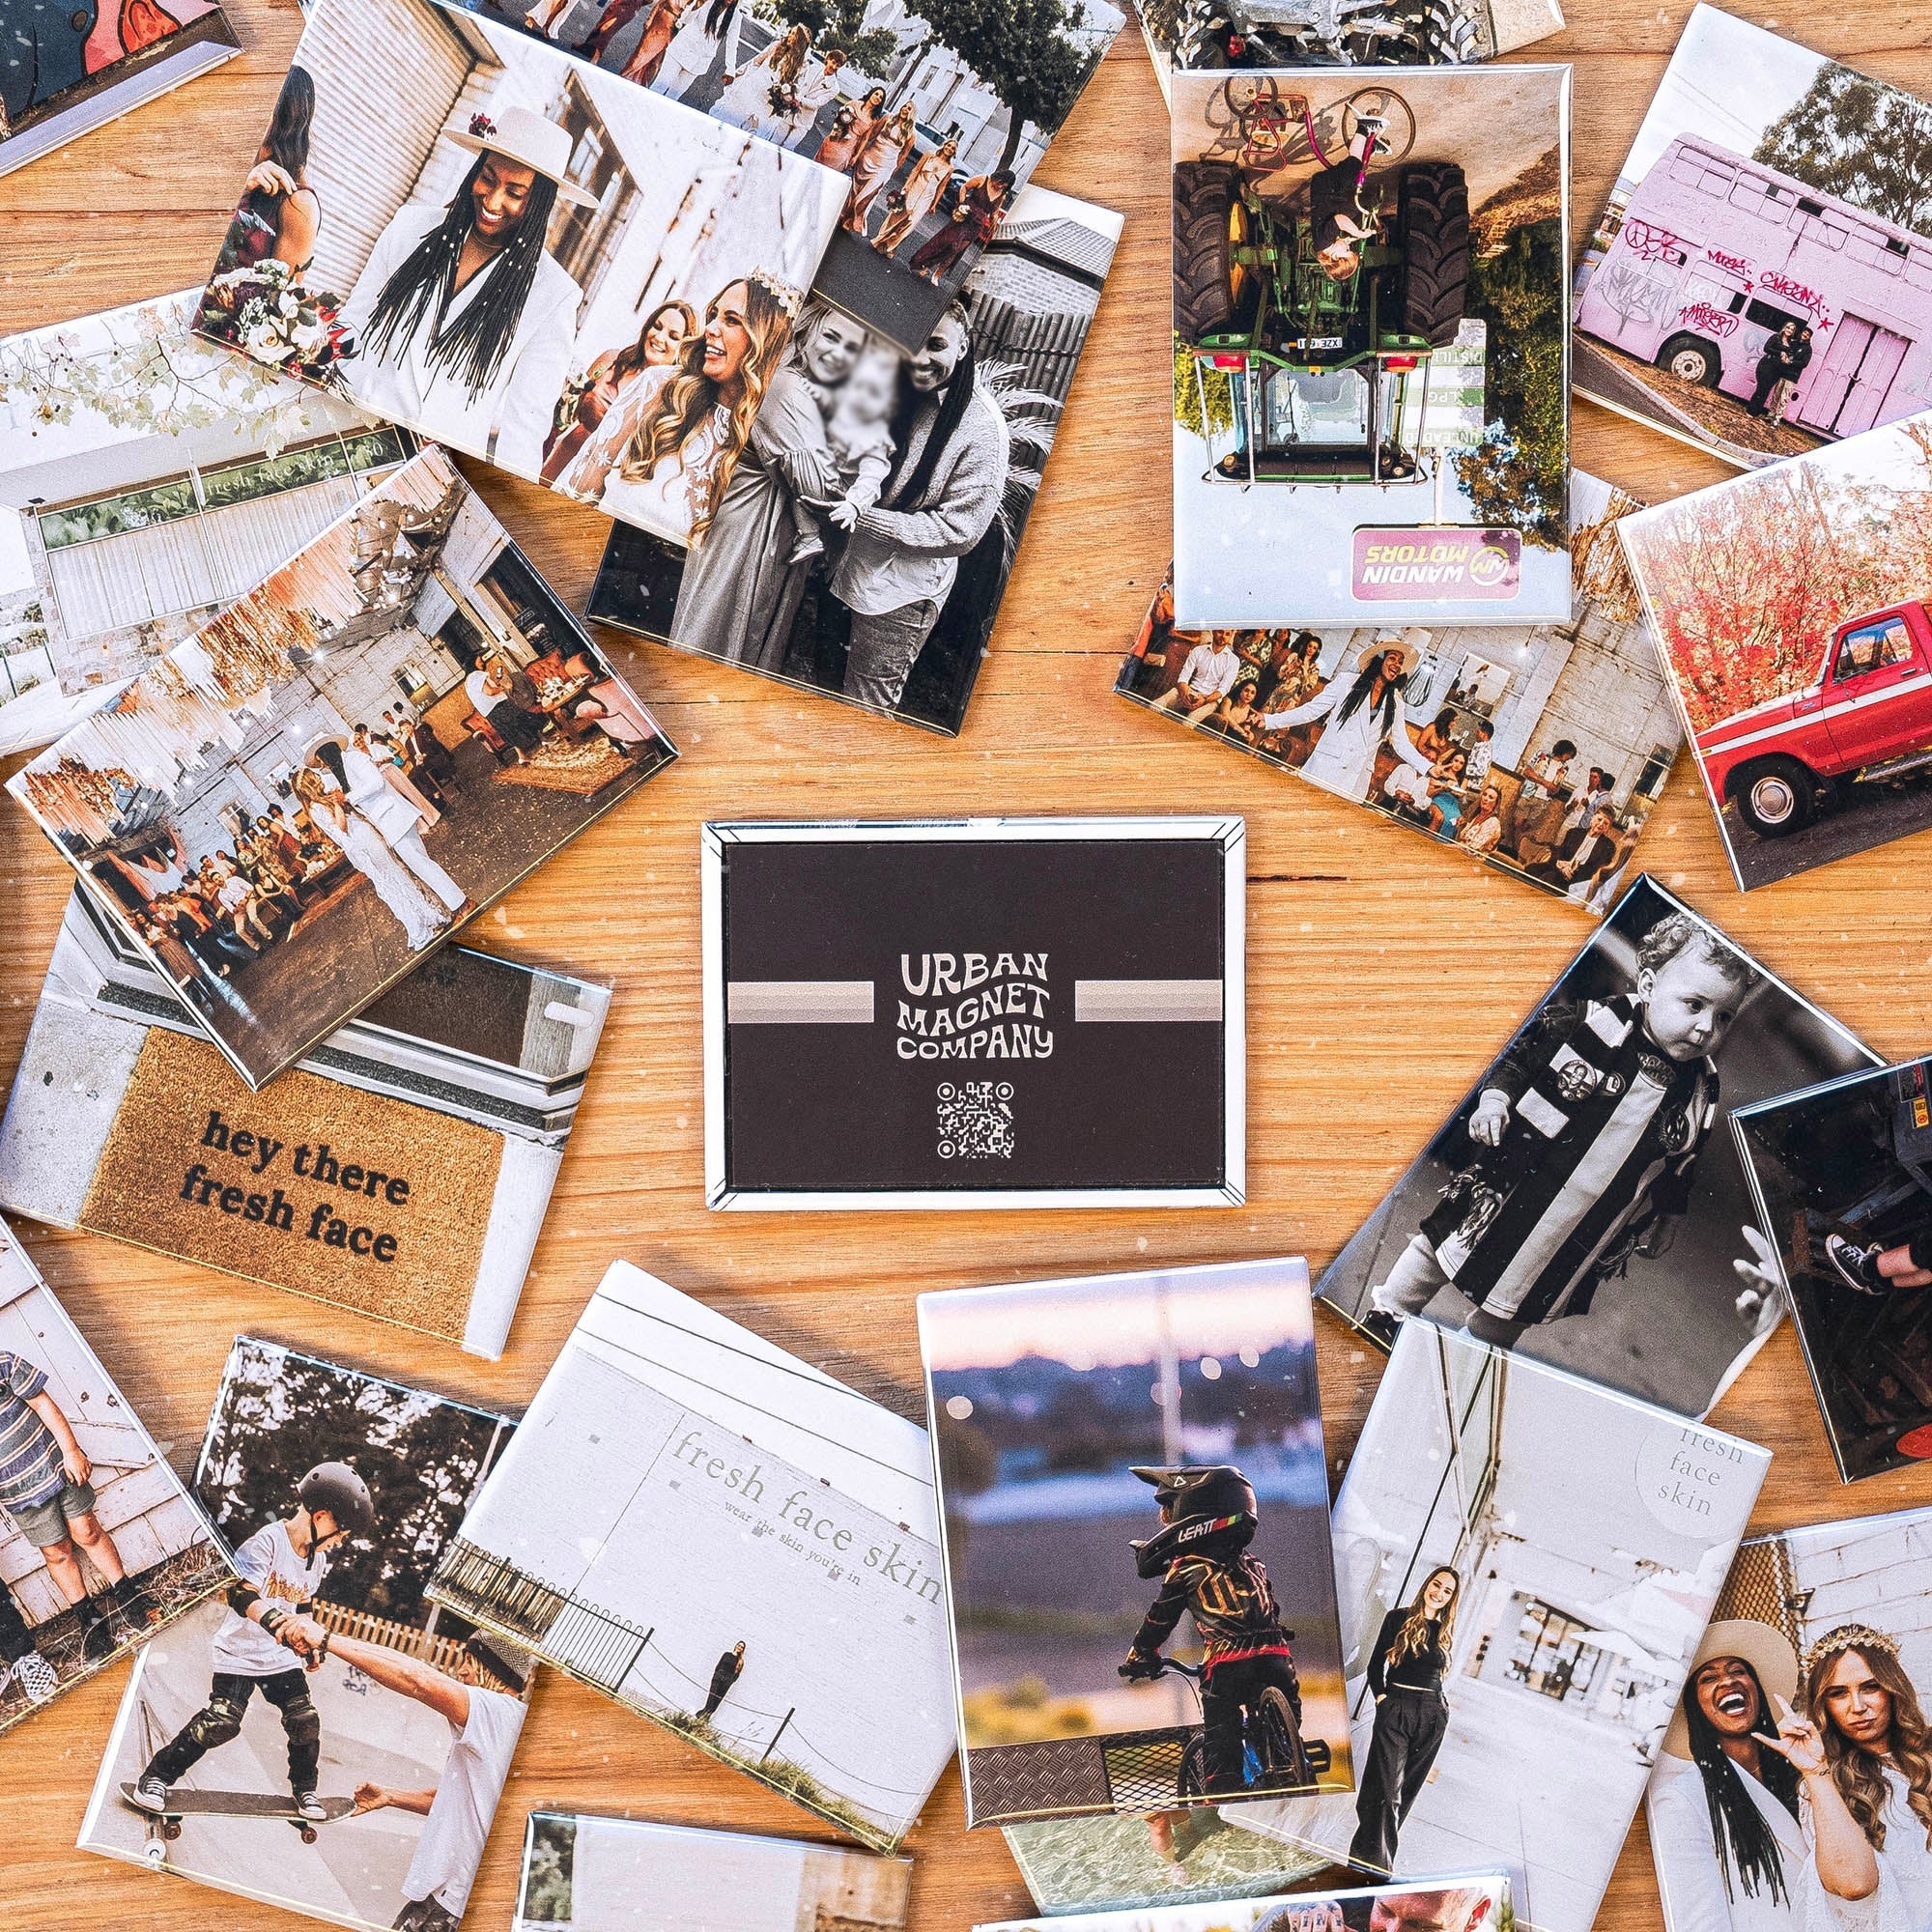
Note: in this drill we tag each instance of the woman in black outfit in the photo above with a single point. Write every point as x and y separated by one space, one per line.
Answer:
1406 1668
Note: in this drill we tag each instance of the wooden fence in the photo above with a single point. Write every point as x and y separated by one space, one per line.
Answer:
445 1653
1045 347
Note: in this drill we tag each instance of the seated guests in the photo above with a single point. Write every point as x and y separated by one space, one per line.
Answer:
490 691
1297 676
1236 715
1481 830
1207 677
1584 851
1155 641
1448 785
238 899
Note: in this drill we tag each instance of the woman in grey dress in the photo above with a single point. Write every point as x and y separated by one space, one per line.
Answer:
740 589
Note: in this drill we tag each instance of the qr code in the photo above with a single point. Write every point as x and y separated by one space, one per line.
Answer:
976 1119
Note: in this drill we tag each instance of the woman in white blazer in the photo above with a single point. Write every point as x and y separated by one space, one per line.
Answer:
463 324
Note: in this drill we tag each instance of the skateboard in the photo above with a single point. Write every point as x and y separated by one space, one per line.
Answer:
182 1804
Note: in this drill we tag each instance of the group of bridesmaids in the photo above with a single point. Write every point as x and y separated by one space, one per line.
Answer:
778 95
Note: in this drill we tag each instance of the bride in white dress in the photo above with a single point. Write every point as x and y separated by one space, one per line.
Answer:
391 864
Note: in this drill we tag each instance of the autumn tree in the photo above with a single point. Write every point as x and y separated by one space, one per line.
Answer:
1036 55
1859 140
1746 584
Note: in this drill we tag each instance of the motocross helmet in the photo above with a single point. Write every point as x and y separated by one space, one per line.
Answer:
1212 1510
336 1487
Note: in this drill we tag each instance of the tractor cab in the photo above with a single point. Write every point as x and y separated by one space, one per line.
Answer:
1326 374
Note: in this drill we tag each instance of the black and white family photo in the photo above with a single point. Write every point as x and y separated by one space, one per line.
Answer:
864 543
935 114
465 231
293 805
1583 1204
385 1725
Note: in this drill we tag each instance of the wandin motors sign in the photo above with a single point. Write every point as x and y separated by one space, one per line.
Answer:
1400 565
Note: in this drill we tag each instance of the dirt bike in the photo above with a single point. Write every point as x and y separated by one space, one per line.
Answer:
1274 1756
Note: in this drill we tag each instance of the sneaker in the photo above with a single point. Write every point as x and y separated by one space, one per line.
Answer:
1857 1267
1380 1326
308 1805
37 1677
150 1793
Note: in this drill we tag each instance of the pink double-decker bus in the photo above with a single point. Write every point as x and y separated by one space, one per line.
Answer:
1714 253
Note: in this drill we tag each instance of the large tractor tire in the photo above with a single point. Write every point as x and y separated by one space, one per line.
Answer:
1210 289
1433 231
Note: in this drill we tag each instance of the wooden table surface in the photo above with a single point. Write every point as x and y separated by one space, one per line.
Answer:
1384 971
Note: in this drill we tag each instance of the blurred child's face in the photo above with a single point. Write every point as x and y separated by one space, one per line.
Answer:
870 388
1690 1005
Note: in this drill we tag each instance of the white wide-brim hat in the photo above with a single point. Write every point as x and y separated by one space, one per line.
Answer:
1382 646
527 139
1767 1650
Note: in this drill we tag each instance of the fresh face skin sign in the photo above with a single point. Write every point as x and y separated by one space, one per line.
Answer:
403 1168
1526 1563
1580 1207
1000 1013
817 1663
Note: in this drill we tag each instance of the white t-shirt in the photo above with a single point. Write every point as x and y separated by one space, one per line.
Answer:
269 1561
467 1795
1208 672
481 698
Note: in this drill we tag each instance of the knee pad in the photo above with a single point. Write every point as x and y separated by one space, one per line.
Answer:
302 1721
217 1722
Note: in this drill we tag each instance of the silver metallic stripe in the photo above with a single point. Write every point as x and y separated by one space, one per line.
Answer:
799 1003
1146 1002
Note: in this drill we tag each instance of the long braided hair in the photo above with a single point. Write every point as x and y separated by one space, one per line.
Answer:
1738 1829
1858 1773
684 404
473 347
906 492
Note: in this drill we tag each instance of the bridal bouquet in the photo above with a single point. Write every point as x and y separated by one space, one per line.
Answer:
264 311
783 99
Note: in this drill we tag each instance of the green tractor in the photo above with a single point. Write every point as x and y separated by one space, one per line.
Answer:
1322 367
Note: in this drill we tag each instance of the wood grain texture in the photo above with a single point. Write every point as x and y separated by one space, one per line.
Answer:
1382 971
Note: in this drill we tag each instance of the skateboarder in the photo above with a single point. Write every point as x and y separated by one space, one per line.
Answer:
457 1809
282 1566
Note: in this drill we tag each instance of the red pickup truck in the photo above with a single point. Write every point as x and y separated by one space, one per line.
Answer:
1867 715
